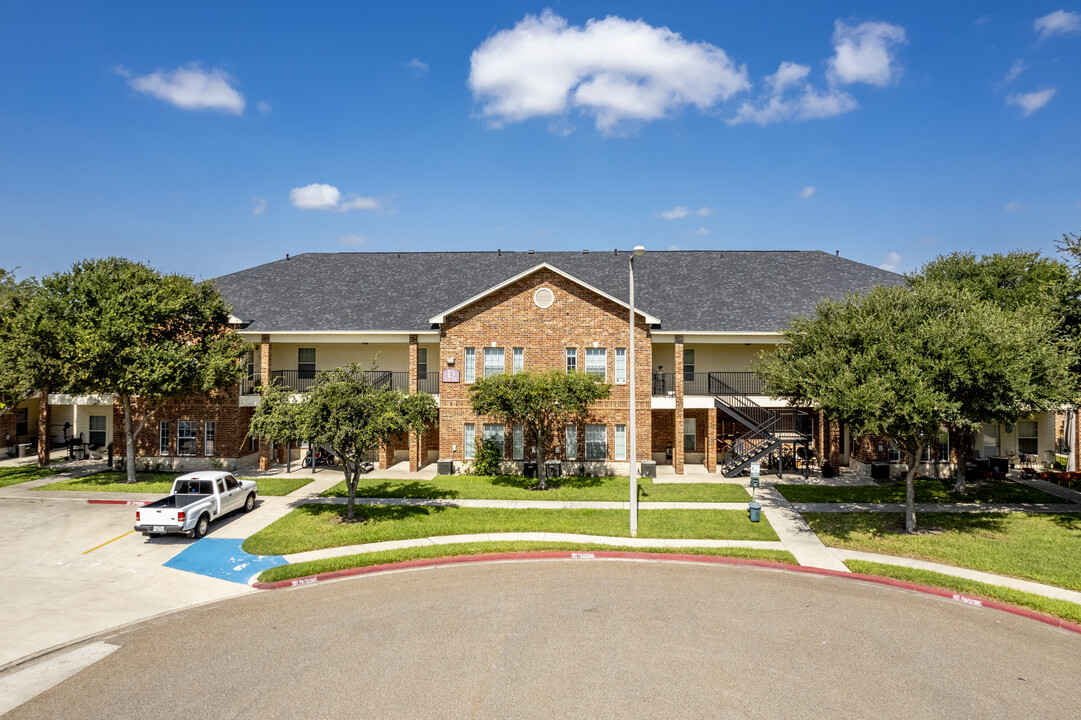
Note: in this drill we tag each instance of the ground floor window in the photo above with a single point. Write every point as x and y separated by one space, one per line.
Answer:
596 442
208 438
22 421
689 434
621 442
941 444
1028 435
494 432
185 437
97 430
163 438
989 437
469 442
895 453
572 442
518 443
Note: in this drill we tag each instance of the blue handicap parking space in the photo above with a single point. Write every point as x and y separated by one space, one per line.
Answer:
222 558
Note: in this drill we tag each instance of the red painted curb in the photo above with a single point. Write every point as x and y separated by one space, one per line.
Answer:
707 559
119 502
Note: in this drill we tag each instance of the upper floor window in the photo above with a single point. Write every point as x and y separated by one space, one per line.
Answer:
306 363
518 361
470 369
493 362
596 362
688 364
621 365
422 361
572 359
249 364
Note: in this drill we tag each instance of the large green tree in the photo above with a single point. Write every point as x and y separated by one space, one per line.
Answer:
344 411
904 361
141 335
1018 280
539 401
281 416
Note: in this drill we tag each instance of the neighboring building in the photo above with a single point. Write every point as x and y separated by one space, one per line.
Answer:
701 319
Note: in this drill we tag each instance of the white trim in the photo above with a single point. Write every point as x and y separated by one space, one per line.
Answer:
441 317
717 338
341 336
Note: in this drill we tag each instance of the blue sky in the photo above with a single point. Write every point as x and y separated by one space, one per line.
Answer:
204 138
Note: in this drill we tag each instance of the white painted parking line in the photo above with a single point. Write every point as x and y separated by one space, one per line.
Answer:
18 687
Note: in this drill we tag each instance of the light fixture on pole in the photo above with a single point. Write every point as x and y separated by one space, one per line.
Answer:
638 251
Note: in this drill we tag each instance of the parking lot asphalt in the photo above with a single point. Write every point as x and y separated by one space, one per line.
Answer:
580 638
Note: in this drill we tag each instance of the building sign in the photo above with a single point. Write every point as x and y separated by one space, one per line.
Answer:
451 375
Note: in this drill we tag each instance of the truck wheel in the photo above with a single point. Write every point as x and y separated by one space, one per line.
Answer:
249 504
153 535
201 527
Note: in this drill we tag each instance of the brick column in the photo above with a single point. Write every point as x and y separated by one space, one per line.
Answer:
677 425
264 378
43 428
414 446
386 455
711 440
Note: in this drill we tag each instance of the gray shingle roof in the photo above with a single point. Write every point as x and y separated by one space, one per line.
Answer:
712 291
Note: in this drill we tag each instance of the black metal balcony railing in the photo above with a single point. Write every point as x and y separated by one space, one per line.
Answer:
428 382
709 383
301 380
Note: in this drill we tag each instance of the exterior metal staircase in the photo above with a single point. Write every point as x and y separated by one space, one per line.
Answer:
768 428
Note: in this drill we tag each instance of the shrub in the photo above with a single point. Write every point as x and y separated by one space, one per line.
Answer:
489 457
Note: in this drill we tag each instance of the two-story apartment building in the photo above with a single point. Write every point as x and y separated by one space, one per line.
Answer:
437 322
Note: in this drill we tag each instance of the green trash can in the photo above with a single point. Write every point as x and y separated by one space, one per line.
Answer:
754 509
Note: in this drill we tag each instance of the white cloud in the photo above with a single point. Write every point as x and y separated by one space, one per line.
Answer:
1013 207
353 240
1033 101
1060 22
419 68
865 53
700 231
190 88
807 192
264 106
893 261
613 69
703 211
1015 70
676 213
258 206
673 247
320 196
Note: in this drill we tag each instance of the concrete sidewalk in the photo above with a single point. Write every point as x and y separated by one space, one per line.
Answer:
528 504
939 507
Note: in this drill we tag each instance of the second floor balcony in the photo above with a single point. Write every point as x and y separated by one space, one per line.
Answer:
302 380
709 383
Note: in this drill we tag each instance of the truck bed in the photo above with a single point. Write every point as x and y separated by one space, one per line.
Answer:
176 501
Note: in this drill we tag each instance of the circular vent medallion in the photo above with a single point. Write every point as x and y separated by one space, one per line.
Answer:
543 298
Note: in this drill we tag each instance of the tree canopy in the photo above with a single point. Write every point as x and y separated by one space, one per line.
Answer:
539 401
131 331
902 362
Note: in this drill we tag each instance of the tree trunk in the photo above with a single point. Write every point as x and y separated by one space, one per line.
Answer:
963 454
129 438
910 487
43 428
351 477
542 477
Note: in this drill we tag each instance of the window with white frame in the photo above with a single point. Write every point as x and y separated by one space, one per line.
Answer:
518 442
97 430
306 363
597 362
469 441
494 432
422 362
689 435
249 364
518 361
470 369
621 365
621 442
493 361
895 453
163 438
572 359
1028 437
596 442
208 437
942 445
572 442
185 437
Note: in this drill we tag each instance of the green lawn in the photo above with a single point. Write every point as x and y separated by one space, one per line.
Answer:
514 487
1043 548
113 481
345 562
928 490
23 473
311 527
1059 608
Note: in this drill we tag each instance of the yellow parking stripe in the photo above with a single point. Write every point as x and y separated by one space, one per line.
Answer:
129 532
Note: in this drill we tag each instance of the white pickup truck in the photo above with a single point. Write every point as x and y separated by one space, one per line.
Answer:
197 498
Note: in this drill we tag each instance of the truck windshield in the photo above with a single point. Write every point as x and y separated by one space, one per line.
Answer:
194 487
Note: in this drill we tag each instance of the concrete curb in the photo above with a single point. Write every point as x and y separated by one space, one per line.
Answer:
118 502
663 557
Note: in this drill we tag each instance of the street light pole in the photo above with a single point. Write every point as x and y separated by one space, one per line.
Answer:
638 250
